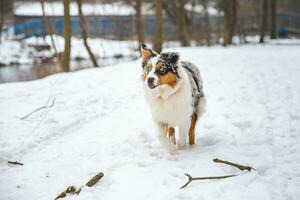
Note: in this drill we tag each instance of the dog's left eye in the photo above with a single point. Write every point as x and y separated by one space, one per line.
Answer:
162 70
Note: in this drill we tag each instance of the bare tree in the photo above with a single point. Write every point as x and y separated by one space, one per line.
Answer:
264 21
67 36
84 33
139 21
207 23
244 18
273 18
137 5
6 7
182 18
229 8
158 41
49 28
1 18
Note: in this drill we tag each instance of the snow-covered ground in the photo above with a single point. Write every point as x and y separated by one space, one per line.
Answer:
100 122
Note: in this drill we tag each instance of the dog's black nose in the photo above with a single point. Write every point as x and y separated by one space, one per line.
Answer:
150 80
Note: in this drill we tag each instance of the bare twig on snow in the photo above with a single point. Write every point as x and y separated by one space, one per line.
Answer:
73 190
240 167
94 180
14 163
43 107
204 178
69 190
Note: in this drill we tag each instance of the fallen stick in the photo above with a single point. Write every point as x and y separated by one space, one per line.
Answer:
240 167
14 163
73 190
69 190
204 178
43 107
94 180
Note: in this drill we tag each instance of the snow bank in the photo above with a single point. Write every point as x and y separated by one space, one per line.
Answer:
100 122
56 9
14 52
117 8
100 47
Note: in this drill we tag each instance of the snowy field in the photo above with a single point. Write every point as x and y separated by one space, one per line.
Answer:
100 122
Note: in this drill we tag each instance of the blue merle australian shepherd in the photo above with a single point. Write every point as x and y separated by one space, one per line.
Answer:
174 92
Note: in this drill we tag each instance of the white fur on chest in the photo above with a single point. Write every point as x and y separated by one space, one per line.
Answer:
176 108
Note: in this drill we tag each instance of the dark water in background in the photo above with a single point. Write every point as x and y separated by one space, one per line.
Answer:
17 73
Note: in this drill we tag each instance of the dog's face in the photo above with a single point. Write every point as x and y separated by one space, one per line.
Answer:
159 69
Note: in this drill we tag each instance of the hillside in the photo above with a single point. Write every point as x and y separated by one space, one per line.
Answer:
99 121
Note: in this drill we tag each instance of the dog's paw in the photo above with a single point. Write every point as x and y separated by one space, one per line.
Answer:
180 144
172 139
171 149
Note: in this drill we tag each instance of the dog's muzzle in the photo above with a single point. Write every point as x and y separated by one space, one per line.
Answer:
150 82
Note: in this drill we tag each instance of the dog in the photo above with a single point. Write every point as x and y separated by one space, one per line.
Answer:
174 92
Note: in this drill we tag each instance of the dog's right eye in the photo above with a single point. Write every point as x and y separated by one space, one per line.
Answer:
163 70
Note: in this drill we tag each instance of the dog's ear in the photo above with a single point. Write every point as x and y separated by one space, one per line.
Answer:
171 58
146 52
174 57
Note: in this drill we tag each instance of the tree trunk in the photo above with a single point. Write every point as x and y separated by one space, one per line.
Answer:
181 22
264 21
226 26
48 28
84 33
273 19
67 36
233 19
1 18
207 23
159 26
179 16
139 21
230 12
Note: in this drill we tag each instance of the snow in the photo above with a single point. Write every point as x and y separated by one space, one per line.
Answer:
14 52
100 47
56 9
100 122
117 8
212 11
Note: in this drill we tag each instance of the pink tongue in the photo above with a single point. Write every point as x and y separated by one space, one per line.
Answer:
151 86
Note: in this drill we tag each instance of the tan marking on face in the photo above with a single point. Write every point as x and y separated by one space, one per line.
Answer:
144 75
146 71
149 67
159 65
169 79
146 53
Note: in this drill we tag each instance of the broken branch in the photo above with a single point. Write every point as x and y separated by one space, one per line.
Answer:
240 167
69 190
94 180
73 190
190 178
14 163
43 107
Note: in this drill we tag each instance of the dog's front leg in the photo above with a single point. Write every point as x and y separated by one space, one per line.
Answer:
183 133
162 136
